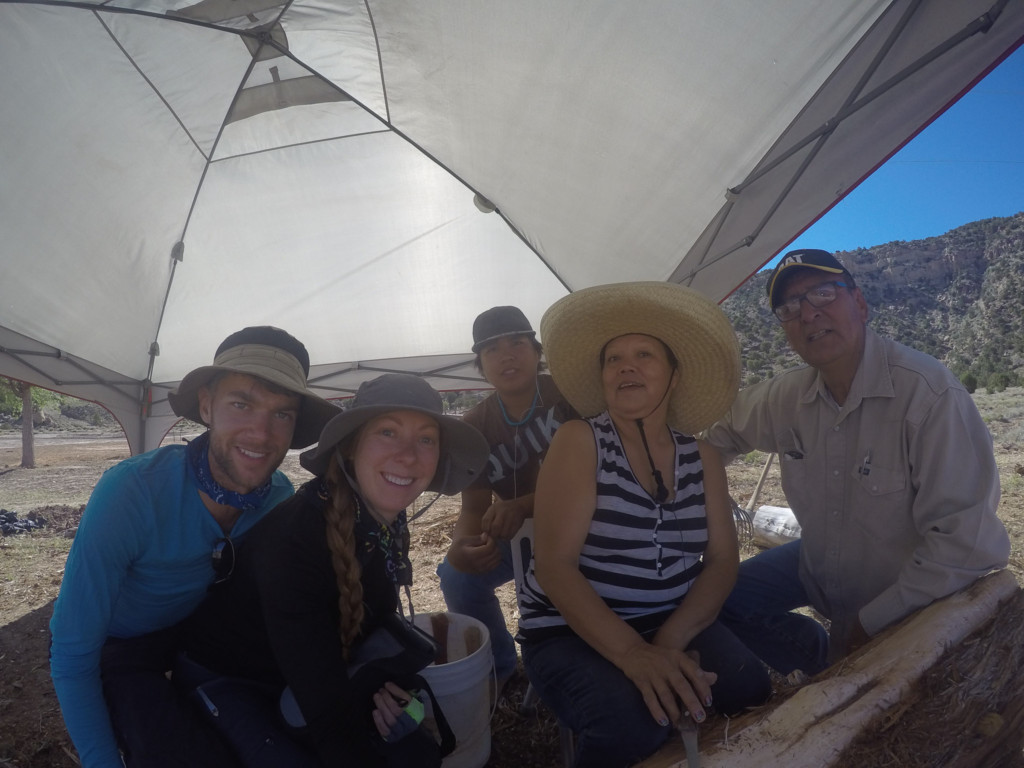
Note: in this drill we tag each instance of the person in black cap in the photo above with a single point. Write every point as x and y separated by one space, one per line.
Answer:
518 420
151 538
886 463
322 571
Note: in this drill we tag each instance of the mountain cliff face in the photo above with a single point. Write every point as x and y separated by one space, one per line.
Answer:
958 297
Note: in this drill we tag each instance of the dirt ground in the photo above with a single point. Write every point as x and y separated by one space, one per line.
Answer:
68 464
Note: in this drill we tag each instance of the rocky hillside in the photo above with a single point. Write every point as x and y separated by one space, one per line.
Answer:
959 297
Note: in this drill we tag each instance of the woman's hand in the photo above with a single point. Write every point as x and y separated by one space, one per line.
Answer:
390 716
666 676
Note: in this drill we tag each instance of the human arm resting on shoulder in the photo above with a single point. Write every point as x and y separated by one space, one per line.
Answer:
747 426
564 507
709 590
956 493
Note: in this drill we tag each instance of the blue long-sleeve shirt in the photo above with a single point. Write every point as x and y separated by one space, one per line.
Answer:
140 562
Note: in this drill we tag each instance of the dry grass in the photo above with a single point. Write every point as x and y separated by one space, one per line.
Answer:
966 712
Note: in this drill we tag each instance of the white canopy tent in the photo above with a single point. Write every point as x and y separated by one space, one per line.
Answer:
174 171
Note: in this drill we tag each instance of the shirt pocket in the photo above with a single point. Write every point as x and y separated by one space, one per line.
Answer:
879 481
797 478
880 503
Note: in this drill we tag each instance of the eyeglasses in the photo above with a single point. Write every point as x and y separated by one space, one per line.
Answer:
819 296
223 559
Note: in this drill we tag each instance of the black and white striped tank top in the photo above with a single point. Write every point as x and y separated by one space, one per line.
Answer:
639 556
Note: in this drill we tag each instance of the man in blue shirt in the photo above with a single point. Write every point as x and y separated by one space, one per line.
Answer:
161 527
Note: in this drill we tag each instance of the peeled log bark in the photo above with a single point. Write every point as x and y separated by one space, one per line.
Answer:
813 727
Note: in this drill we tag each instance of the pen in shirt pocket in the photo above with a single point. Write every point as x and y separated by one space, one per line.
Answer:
865 466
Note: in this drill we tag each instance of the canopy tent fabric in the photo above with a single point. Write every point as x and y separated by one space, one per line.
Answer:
371 175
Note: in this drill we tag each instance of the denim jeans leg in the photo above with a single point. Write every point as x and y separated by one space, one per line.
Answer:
472 594
742 679
596 700
759 611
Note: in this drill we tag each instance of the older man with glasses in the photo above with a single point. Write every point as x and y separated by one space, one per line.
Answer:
158 530
885 462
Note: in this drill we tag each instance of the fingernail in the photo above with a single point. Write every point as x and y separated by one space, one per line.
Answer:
663 721
699 717
707 701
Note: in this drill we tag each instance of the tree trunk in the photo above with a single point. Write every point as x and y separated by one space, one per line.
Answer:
858 696
28 448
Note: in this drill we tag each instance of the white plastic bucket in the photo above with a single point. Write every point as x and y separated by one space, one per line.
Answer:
774 526
462 685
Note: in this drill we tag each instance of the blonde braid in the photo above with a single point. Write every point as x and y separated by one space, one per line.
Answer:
340 516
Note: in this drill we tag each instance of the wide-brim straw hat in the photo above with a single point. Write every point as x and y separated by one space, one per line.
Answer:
577 327
463 450
276 365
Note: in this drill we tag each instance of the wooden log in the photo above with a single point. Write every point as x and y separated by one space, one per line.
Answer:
813 727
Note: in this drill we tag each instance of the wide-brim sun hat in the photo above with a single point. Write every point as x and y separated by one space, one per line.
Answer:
271 355
463 450
577 327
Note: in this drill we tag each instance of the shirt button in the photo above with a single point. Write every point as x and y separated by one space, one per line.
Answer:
835 428
835 473
835 513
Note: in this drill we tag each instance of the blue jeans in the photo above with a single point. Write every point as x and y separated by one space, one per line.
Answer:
604 708
472 594
759 612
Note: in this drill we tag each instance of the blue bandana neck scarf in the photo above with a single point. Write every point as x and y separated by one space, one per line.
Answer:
198 453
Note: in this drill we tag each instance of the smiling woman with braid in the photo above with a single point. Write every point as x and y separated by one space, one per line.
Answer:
635 549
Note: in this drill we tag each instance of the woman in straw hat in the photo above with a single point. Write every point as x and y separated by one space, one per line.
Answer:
635 547
324 569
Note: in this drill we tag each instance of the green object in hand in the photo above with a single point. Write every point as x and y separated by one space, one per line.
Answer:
410 719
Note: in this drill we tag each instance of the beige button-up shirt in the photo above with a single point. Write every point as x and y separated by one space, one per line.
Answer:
895 491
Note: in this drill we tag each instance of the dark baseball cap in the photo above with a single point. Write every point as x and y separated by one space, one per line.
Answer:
808 258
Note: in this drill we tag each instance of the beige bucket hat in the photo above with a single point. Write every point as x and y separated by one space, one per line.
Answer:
266 353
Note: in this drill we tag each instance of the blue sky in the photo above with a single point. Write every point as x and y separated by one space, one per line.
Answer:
967 165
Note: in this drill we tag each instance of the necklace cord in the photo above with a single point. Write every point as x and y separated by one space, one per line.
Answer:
661 492
529 412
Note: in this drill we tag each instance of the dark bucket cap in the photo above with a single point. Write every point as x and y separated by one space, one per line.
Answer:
464 451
